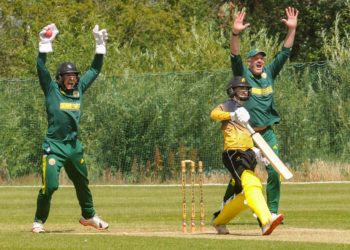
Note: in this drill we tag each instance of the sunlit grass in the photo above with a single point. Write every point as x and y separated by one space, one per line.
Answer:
149 217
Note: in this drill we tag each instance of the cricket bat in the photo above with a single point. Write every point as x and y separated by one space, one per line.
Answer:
275 161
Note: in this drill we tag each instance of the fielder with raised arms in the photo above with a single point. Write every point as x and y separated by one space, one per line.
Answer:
240 158
61 146
260 105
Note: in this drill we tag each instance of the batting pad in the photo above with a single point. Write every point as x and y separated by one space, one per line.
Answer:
253 194
230 210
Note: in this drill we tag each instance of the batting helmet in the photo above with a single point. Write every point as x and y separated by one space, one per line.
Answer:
235 82
66 68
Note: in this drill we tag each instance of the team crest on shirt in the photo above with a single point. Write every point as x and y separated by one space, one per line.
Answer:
76 93
264 75
52 161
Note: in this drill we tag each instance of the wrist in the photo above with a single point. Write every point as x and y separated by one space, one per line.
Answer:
235 34
45 47
100 49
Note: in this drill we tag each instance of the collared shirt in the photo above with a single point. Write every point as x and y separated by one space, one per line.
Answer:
64 108
261 105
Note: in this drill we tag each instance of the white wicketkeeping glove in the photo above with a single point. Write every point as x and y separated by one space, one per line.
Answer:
260 158
241 115
45 44
101 37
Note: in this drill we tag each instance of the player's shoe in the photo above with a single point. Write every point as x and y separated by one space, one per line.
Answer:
38 227
221 229
275 220
273 214
95 222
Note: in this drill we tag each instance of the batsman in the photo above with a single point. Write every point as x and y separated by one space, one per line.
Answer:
61 146
260 105
240 158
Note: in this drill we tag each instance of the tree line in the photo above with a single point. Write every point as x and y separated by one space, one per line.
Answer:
157 36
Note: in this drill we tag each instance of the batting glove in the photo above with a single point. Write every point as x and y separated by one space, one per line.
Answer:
241 115
46 39
101 37
260 158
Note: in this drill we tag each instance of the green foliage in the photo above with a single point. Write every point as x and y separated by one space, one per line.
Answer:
148 36
315 16
148 123
317 111
136 122
154 36
336 48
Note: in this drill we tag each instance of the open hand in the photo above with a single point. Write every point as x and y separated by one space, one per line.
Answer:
238 23
292 18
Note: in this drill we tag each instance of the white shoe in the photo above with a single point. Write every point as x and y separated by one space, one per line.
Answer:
38 227
95 222
274 215
275 220
221 229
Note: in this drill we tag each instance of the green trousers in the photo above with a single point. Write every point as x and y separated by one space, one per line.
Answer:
58 154
273 184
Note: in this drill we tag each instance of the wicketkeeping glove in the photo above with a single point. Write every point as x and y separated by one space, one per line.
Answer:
45 44
241 115
260 158
101 37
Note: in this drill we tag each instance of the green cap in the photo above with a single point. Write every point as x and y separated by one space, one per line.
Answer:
255 52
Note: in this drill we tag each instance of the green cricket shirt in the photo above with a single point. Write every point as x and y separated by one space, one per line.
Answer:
64 109
261 105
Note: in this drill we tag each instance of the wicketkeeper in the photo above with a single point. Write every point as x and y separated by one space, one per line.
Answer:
240 158
61 146
260 105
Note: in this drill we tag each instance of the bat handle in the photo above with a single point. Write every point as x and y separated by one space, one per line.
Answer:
250 129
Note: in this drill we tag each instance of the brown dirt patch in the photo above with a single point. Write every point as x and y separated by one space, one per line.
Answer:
280 234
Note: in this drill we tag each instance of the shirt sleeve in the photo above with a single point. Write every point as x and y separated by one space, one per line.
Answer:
218 114
91 74
237 65
278 62
43 73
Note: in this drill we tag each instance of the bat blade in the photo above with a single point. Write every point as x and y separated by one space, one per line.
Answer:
275 161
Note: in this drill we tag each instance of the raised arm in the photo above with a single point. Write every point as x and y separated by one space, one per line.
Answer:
46 36
237 28
101 37
291 22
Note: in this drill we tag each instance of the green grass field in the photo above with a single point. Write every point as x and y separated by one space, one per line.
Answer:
149 217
